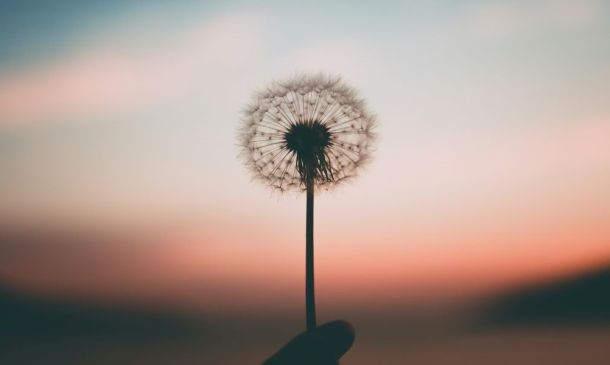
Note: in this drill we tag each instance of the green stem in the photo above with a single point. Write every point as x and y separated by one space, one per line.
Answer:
310 300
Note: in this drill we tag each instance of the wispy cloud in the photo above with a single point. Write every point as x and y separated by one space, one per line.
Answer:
119 79
466 166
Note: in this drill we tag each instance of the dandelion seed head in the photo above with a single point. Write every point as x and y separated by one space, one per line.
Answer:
307 129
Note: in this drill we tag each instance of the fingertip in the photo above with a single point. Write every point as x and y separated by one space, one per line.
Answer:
339 335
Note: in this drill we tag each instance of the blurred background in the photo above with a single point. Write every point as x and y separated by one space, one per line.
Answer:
130 232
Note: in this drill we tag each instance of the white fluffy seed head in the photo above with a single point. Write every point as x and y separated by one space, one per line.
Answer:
328 111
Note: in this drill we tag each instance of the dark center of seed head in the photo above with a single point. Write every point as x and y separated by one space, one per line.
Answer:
308 141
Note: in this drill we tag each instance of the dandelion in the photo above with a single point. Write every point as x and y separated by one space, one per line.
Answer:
306 134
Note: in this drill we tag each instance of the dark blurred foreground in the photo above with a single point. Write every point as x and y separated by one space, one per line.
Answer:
562 322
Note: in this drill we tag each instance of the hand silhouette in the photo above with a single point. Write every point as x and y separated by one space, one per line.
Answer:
323 346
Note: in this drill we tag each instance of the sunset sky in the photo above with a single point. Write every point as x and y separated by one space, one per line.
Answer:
118 124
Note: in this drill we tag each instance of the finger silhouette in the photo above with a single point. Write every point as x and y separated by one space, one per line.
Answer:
323 346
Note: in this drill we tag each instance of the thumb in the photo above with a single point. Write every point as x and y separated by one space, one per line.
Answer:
322 346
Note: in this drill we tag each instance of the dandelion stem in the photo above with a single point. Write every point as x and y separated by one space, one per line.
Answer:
310 300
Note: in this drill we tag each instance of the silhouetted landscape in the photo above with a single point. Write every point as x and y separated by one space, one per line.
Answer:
29 320
580 300
572 309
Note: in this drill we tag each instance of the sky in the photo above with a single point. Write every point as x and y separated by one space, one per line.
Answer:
492 165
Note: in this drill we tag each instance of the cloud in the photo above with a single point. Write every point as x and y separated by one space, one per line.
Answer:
503 162
119 79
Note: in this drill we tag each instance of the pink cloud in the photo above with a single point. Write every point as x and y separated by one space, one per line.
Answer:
505 159
116 80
